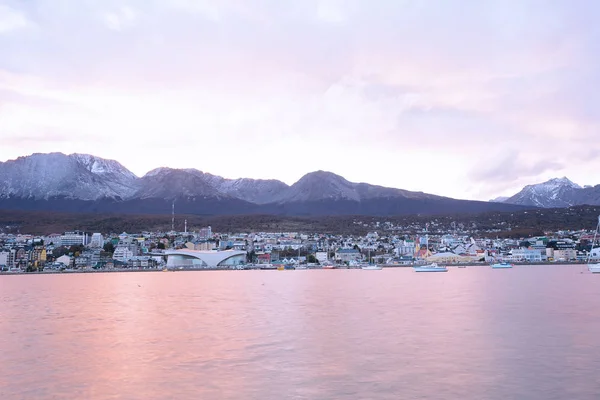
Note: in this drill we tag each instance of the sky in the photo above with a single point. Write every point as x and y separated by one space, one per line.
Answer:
463 98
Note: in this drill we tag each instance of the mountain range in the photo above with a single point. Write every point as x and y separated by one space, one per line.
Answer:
86 183
555 193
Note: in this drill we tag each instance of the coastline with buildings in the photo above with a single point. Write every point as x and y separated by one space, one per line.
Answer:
203 249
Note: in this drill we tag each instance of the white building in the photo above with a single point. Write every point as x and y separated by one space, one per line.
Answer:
529 255
54 239
123 254
204 259
205 233
73 239
97 240
405 248
565 255
7 258
66 260
449 240
321 256
347 255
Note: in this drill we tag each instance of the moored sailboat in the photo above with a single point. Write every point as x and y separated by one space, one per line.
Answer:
501 265
371 267
430 268
594 267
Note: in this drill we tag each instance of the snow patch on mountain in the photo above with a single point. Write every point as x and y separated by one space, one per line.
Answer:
101 166
557 192
75 176
87 177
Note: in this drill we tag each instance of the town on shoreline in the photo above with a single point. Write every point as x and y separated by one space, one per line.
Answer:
203 249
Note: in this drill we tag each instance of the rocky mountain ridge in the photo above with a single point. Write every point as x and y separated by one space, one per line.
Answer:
80 182
556 192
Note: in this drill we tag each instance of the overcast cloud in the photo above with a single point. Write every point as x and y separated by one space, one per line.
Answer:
465 98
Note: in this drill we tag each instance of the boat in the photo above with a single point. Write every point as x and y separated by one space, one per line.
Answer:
462 266
430 268
328 265
371 267
280 268
501 265
434 267
301 267
594 268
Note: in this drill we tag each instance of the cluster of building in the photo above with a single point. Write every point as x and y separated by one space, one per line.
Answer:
204 249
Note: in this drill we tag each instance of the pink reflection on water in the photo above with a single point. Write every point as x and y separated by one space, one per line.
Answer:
469 333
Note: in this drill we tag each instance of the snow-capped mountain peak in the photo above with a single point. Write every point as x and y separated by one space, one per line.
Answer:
157 171
556 192
82 182
320 185
100 166
558 182
77 176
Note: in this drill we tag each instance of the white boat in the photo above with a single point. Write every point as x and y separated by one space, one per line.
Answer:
594 268
430 268
501 265
371 267
301 267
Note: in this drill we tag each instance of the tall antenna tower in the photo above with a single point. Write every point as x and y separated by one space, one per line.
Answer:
173 217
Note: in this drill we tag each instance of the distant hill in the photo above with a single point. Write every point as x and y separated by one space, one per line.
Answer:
492 224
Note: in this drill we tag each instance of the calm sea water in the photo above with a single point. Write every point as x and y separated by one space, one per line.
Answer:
475 333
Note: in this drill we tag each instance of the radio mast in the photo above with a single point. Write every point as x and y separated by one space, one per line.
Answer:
173 217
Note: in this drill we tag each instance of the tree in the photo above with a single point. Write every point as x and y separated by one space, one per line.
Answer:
312 259
109 247
584 245
76 249
59 251
161 246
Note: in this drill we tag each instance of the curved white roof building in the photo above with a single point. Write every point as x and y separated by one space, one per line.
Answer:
204 259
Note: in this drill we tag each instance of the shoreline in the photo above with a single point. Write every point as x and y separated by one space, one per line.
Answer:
385 266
